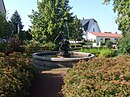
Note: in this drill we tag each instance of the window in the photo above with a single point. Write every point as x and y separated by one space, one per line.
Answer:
93 30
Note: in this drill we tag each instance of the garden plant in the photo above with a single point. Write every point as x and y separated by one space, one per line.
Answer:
16 75
99 77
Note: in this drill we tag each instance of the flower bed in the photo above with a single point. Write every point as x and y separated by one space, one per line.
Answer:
16 74
99 78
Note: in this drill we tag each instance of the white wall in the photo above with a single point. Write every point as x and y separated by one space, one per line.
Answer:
114 40
98 39
91 37
93 28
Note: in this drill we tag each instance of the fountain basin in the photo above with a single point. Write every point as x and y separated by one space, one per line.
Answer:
50 59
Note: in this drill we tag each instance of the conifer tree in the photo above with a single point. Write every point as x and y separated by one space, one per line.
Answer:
16 22
5 27
76 29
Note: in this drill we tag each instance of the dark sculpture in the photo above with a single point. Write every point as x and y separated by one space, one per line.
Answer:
59 38
63 45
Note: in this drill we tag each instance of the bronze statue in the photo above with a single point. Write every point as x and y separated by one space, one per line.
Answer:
63 45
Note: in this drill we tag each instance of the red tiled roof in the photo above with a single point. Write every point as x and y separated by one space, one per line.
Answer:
111 35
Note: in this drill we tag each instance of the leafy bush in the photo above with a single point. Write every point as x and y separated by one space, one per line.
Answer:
33 43
49 46
108 44
34 46
15 45
124 44
99 52
16 74
99 78
3 46
94 51
106 53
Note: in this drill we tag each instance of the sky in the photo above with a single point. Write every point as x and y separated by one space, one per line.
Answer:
86 9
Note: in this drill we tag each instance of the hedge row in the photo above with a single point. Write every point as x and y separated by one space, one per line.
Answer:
100 52
99 78
16 74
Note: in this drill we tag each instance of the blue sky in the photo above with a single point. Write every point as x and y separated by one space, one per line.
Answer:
82 8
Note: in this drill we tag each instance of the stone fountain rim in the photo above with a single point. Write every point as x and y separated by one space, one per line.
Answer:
42 58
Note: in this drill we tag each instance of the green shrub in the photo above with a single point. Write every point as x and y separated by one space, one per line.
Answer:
99 78
32 43
106 53
16 45
124 44
99 52
34 46
12 45
3 46
108 44
49 46
16 74
94 51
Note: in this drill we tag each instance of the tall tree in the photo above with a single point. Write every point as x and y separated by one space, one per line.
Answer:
50 19
122 7
24 35
16 22
5 27
76 29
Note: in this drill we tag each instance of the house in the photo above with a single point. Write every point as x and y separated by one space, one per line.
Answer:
89 25
99 37
2 7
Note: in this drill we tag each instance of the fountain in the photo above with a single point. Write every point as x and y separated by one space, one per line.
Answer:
61 58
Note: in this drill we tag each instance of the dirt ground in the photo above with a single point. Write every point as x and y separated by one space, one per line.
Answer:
48 84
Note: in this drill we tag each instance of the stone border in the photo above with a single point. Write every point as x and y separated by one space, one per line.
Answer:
44 58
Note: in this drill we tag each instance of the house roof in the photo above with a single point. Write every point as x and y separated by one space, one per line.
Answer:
86 23
111 35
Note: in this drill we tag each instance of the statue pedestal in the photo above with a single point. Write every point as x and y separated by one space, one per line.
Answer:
64 54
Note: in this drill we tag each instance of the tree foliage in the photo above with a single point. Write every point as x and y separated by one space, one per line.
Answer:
124 44
122 7
50 19
76 29
5 27
24 35
16 22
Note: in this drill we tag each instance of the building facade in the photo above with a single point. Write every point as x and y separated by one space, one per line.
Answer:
98 37
2 7
89 25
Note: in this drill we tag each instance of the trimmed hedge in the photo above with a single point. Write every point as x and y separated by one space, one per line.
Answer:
16 74
99 78
100 52
35 47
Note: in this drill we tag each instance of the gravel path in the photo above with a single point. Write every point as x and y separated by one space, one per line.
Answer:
49 83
